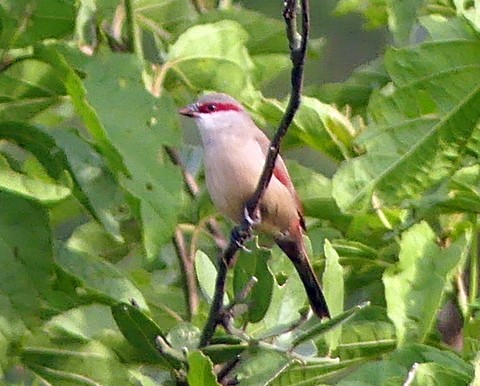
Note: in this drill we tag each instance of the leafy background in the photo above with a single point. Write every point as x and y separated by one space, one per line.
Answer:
108 256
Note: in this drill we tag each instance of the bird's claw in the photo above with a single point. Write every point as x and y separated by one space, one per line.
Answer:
252 221
239 237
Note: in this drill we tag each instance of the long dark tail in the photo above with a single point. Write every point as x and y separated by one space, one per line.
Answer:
298 257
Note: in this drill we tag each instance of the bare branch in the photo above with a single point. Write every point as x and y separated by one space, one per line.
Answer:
198 5
188 271
298 48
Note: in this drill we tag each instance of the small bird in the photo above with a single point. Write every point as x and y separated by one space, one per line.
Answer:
235 150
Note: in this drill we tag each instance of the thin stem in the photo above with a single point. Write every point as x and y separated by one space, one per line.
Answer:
474 263
298 48
198 5
213 317
188 272
132 30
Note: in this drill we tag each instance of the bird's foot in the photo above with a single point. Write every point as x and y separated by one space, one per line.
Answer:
240 237
252 220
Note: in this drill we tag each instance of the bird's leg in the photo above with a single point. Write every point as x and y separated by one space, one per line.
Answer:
240 236
253 220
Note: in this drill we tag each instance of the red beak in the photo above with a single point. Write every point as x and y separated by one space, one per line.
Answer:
189 111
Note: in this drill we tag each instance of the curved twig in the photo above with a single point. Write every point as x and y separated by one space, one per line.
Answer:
298 48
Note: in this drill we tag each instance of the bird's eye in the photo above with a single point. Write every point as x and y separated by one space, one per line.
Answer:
211 107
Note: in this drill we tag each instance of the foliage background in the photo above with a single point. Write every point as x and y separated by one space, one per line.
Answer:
100 234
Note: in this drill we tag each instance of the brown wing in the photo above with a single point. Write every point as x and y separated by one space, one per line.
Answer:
280 172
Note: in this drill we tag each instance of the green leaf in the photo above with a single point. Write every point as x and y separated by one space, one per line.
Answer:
266 42
333 289
113 83
80 362
221 353
25 22
316 124
429 374
414 289
27 87
18 218
254 265
374 11
315 192
206 274
470 10
325 327
357 89
200 370
163 16
314 374
29 186
19 302
99 191
402 16
223 64
266 35
288 298
418 353
420 128
476 378
375 374
99 278
42 179
140 331
92 239
82 323
260 366
76 90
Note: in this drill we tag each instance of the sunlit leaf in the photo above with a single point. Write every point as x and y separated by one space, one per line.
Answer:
419 127
200 370
413 297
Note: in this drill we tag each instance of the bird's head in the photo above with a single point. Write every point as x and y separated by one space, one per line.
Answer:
216 112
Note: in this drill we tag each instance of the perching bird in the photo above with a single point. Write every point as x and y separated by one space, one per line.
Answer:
235 150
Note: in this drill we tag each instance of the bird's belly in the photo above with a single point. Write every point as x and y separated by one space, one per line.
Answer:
232 180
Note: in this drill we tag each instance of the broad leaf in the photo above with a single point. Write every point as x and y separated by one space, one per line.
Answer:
98 189
333 288
356 90
206 275
260 366
254 265
26 22
317 125
414 289
99 278
420 125
140 331
223 64
288 296
163 16
200 370
88 362
27 88
30 186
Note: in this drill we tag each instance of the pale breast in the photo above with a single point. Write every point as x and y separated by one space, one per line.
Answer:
232 177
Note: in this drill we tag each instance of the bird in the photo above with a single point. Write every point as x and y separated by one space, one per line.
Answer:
235 150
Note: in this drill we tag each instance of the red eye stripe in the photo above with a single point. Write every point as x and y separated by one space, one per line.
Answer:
207 108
